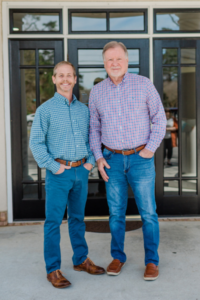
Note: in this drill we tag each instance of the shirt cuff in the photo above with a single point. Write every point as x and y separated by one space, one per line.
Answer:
98 155
54 167
151 146
91 160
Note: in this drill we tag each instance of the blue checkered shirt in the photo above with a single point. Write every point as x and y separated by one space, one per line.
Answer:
60 130
120 116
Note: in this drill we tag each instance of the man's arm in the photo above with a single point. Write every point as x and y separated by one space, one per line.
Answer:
157 117
37 142
90 159
95 128
95 137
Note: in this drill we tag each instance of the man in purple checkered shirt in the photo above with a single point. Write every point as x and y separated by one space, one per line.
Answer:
121 110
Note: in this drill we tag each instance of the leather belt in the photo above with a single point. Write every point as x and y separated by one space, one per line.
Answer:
70 163
126 152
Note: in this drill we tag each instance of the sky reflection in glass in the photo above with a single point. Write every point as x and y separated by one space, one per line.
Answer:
88 21
126 21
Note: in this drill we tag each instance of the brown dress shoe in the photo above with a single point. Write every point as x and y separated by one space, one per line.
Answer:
114 267
89 267
151 272
58 280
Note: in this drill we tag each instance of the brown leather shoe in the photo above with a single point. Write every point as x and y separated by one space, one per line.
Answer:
114 267
58 280
151 272
89 267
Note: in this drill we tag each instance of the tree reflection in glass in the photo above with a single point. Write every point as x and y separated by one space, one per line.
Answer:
170 56
36 22
46 57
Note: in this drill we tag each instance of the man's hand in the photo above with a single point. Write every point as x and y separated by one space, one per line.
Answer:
101 162
88 166
62 169
146 153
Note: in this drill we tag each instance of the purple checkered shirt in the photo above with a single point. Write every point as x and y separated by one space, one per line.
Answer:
120 116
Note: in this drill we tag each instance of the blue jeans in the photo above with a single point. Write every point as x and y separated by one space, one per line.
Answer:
68 189
140 174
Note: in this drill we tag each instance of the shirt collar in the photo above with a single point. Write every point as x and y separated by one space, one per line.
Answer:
63 99
123 80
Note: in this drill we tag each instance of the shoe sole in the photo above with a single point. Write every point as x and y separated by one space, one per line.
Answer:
62 287
115 274
80 270
150 278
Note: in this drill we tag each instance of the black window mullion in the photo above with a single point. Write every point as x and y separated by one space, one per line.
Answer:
179 122
37 105
107 21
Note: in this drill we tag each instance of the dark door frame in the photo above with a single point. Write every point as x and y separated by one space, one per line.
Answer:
25 209
176 205
98 206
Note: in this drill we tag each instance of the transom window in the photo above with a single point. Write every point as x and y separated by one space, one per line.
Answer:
35 20
108 21
176 20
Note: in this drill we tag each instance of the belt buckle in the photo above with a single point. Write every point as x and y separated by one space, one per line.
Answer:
71 163
123 152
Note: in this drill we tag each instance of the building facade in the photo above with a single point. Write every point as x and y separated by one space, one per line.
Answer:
163 42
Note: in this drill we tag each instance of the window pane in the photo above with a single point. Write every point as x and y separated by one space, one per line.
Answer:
87 79
188 56
43 191
88 21
35 21
28 108
126 21
46 57
189 187
170 56
30 191
178 21
134 70
46 85
43 173
27 57
90 57
97 190
170 87
171 187
188 99
170 101
133 56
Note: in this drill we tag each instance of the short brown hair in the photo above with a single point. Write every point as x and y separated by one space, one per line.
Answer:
61 63
114 44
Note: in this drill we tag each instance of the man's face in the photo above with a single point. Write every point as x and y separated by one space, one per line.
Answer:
115 62
64 79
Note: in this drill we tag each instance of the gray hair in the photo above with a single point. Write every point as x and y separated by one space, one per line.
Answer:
114 44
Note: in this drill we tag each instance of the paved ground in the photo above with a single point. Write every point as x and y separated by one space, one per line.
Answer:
23 277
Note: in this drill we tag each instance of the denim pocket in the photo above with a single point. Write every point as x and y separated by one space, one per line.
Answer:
145 158
86 169
60 173
107 154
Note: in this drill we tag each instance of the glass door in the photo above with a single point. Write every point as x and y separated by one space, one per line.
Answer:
86 56
31 69
176 76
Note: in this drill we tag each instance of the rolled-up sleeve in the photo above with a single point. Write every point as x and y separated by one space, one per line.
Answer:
157 117
37 142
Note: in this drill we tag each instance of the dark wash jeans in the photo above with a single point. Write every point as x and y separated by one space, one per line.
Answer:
67 189
140 174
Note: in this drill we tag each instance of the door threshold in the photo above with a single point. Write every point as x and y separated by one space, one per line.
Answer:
106 218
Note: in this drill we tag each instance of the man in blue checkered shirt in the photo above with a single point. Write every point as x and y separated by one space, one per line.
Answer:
59 143
121 110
